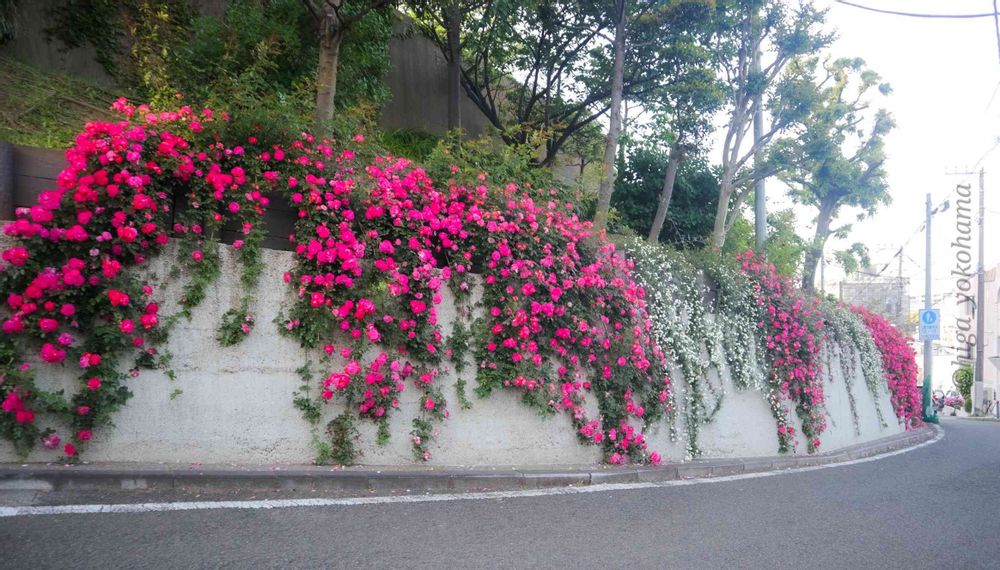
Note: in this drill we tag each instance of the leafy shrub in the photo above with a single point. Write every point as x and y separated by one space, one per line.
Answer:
692 206
964 379
414 145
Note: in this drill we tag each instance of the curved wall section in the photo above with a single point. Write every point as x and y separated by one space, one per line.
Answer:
234 405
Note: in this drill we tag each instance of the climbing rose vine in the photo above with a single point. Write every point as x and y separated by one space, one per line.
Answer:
563 322
565 319
69 290
792 324
900 366
374 250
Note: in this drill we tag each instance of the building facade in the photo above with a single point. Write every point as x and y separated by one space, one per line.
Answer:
887 296
965 349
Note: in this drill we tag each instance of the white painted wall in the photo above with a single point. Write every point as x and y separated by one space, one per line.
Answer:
236 405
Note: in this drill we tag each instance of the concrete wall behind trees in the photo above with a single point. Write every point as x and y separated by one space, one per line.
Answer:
418 83
417 78
32 46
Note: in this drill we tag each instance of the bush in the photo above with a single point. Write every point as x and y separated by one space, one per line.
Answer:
415 145
964 379
692 207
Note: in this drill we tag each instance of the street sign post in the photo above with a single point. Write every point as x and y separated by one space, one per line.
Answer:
930 324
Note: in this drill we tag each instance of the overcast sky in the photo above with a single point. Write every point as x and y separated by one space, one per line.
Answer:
943 74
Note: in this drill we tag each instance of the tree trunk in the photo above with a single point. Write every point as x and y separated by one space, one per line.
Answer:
623 132
453 23
617 87
673 165
722 210
815 251
331 36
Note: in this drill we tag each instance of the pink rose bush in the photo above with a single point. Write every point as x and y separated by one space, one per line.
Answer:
793 328
378 245
900 365
375 248
565 319
70 295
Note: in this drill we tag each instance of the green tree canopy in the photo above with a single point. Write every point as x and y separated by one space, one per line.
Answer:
754 42
837 160
785 248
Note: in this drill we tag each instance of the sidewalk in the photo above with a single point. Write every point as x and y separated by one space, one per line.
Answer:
416 479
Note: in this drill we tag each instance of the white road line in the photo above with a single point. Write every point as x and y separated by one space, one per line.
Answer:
382 500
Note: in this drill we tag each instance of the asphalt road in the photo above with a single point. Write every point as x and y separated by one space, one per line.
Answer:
935 507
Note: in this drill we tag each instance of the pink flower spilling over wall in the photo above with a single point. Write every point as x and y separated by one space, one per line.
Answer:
564 318
376 245
374 251
793 327
70 297
899 362
567 320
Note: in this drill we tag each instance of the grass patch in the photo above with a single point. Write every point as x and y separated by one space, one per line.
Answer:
46 109
415 145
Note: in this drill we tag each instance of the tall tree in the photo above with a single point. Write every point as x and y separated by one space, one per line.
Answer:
780 33
662 38
453 25
540 69
335 18
614 128
837 160
688 96
585 147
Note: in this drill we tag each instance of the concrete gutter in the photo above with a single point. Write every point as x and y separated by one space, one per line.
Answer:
127 476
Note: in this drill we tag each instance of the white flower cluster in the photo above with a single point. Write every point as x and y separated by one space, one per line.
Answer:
697 340
855 344
738 315
706 319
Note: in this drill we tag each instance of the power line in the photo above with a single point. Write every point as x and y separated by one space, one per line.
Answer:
995 89
922 225
916 15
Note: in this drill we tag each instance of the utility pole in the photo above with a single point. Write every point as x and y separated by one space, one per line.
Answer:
759 200
977 387
979 307
928 349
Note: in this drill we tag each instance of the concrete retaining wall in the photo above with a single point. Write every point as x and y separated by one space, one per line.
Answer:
236 403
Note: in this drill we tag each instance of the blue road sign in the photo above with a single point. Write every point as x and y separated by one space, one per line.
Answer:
930 324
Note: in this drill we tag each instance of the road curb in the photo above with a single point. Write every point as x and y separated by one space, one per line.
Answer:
54 477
